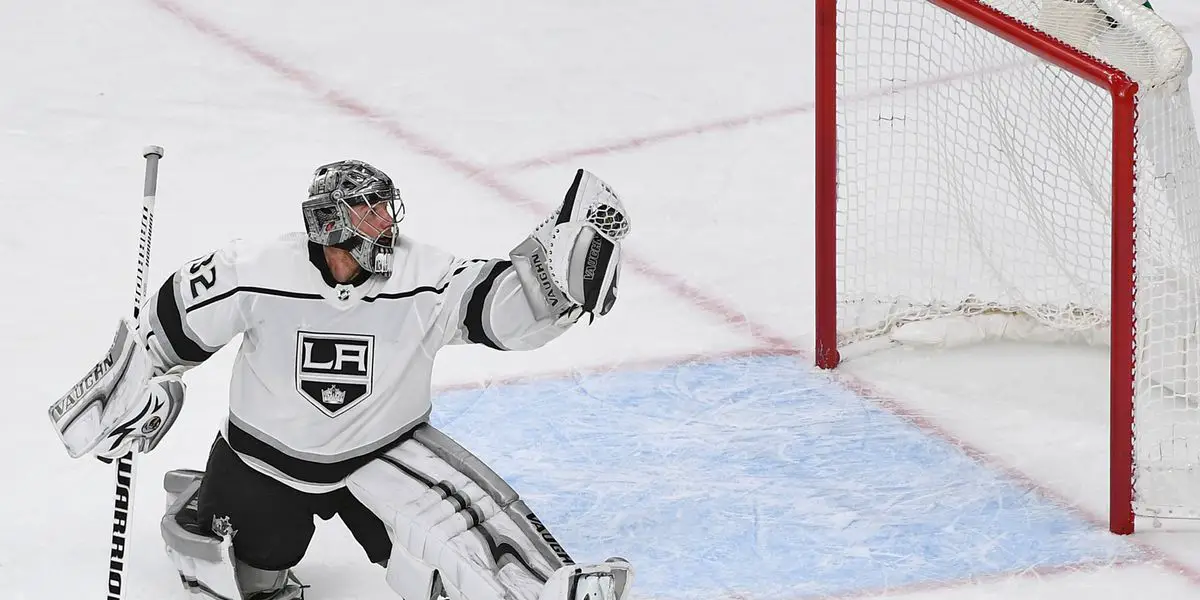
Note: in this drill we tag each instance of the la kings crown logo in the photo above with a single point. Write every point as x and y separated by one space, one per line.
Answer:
334 370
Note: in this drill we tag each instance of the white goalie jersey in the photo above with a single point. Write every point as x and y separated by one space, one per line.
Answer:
330 375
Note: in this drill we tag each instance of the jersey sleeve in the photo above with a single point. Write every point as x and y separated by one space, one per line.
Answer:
488 306
195 312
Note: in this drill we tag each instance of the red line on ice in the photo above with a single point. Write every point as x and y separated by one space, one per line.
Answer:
636 142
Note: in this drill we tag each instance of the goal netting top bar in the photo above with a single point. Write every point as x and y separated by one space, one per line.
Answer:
977 184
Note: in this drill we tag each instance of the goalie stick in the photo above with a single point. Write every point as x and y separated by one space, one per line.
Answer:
126 466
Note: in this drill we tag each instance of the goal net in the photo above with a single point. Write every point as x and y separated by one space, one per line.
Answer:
1020 168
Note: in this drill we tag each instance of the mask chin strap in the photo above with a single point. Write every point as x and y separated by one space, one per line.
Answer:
383 261
374 258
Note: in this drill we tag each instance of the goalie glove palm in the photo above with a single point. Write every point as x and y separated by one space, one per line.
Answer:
573 259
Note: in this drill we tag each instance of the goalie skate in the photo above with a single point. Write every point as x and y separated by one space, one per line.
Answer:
609 580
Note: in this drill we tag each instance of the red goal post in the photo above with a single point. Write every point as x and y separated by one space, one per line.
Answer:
1033 207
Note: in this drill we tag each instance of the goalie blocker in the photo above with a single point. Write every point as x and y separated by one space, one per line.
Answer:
118 405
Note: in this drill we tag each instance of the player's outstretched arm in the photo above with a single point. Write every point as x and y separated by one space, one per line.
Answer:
567 268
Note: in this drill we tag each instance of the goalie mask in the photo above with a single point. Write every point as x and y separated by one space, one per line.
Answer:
354 206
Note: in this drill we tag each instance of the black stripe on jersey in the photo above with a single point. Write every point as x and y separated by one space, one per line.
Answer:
568 205
298 468
171 319
424 288
255 290
473 319
306 296
406 293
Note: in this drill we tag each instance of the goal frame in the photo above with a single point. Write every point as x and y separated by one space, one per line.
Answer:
1123 92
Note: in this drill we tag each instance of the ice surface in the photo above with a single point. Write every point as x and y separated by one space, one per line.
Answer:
757 477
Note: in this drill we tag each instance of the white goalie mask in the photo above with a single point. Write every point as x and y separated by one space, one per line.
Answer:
354 206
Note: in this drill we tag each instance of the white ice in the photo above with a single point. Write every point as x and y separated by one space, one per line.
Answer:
699 113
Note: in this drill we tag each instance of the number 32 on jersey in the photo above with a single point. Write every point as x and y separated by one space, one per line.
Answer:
202 276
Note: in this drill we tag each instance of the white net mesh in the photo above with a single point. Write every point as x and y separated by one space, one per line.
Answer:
977 179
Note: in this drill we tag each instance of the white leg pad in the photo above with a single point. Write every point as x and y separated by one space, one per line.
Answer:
206 564
455 562
412 577
454 523
207 579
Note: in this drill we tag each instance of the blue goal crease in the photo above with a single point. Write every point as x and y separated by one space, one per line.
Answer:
758 476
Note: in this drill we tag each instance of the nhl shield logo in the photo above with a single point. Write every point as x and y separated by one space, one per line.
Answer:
334 370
